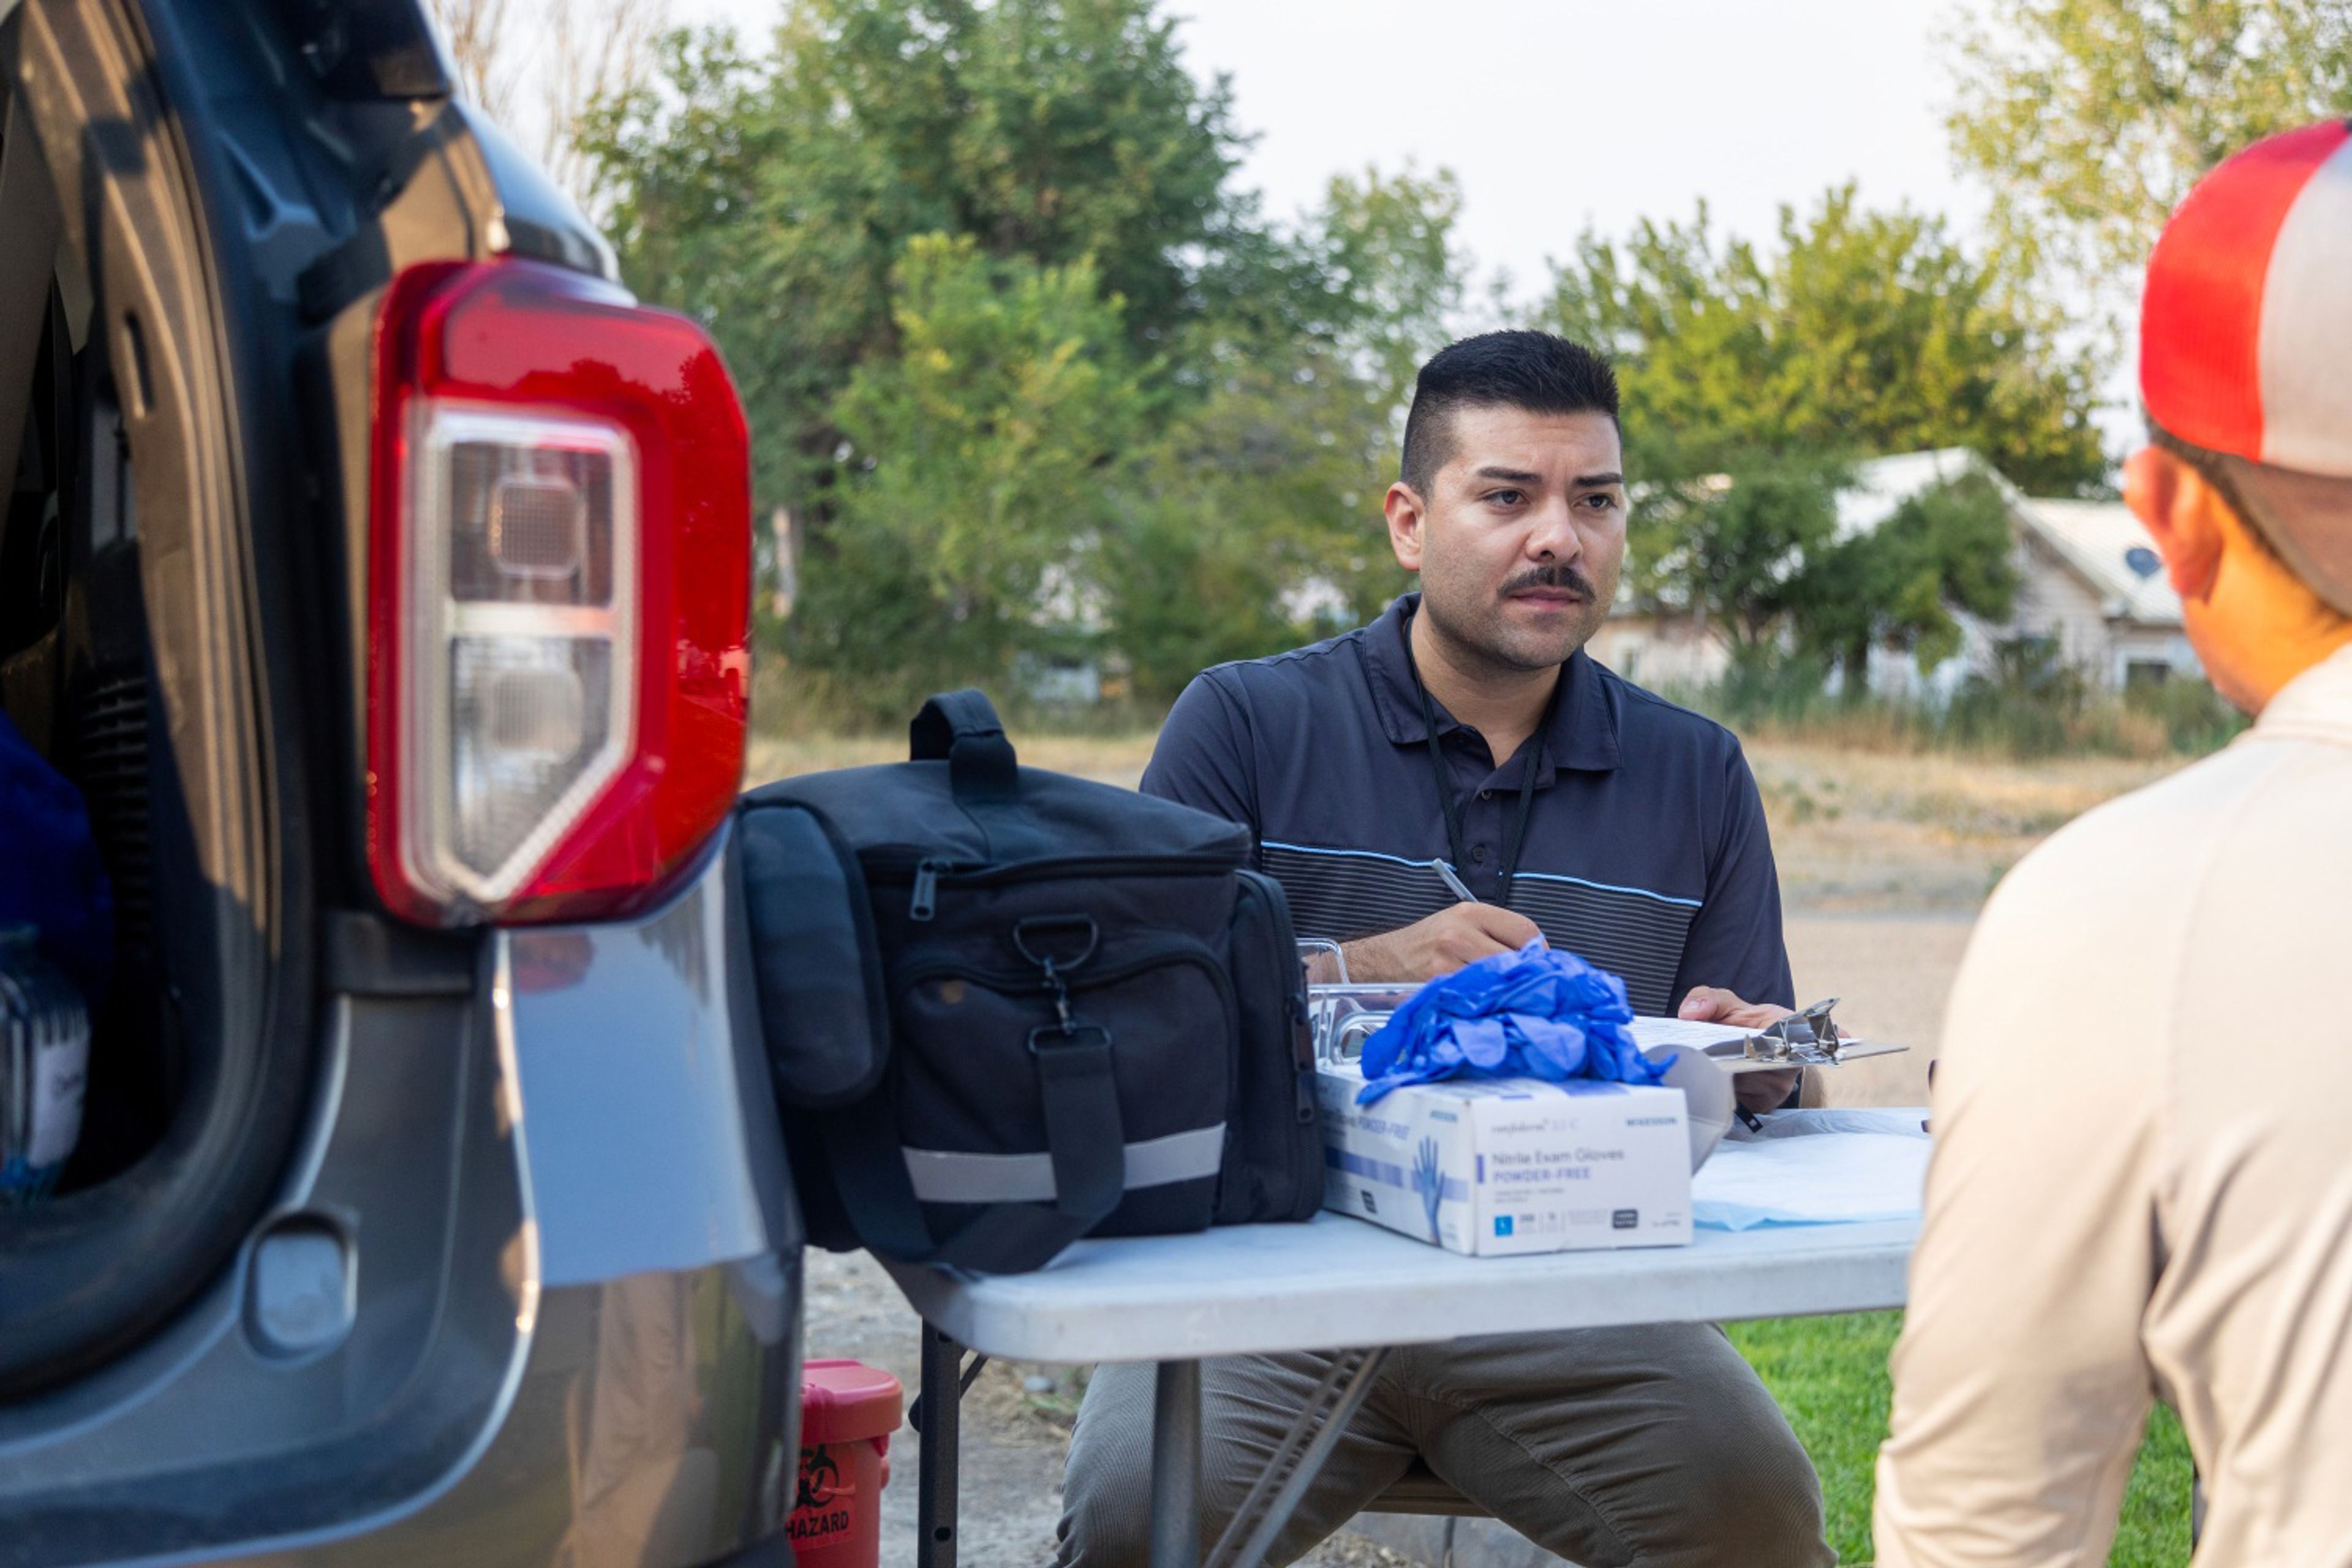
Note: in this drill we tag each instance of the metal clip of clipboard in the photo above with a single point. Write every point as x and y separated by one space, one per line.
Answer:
1808 1039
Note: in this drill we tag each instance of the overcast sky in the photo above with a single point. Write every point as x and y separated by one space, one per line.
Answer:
1560 113
1557 115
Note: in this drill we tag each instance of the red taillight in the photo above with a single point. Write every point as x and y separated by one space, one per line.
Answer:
558 596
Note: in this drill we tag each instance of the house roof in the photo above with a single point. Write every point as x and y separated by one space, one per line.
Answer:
1881 485
2097 538
2101 540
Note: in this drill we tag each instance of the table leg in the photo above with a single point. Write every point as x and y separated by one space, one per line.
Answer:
1176 1465
937 1468
1298 1458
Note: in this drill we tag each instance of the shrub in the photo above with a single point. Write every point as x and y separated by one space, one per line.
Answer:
2029 705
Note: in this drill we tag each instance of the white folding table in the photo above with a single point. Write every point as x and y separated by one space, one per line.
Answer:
1334 1281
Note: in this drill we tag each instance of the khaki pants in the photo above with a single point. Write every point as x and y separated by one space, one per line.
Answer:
1642 1446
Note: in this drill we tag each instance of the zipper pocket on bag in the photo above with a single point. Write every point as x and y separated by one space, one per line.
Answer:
1175 1071
1028 982
925 874
923 902
1014 983
1307 1165
1302 1041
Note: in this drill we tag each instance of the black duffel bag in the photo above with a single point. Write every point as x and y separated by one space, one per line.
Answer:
1005 1008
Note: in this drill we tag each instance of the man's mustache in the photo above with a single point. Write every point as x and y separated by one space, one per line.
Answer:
1561 577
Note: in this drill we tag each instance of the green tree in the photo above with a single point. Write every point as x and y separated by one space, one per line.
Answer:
1384 244
1863 333
893 215
2090 119
1260 522
771 194
1752 380
1261 503
1904 585
985 464
1757 552
1734 548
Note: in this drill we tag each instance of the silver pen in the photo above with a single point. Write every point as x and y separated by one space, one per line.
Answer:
1454 880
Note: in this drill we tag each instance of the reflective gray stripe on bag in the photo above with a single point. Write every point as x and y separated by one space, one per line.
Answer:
944 1176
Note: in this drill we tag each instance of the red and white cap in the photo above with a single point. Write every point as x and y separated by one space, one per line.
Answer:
2246 338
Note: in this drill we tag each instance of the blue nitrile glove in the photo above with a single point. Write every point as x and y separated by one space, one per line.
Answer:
50 875
1537 1013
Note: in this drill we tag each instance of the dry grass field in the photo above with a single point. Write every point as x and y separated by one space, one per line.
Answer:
1884 860
1857 833
1864 832
1113 759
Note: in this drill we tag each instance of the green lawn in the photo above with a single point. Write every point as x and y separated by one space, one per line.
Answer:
1830 1375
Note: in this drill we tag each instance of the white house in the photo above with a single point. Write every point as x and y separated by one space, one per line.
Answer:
2091 580
2089 586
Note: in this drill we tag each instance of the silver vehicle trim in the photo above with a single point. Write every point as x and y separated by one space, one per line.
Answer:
626 1046
502 1032
326 1106
518 1360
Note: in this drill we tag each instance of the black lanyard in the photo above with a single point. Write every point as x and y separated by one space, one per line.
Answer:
1444 775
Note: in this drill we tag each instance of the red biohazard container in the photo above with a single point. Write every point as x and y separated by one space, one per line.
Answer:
848 1411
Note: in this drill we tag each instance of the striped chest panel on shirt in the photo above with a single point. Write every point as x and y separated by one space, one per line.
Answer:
1339 895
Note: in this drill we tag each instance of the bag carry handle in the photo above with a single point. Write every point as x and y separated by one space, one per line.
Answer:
962 727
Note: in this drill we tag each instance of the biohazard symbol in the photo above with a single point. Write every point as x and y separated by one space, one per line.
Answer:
819 1477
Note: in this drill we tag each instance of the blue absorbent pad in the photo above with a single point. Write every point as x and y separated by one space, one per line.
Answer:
1826 1166
1538 1013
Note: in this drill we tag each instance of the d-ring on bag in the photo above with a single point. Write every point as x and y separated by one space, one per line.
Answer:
1006 1008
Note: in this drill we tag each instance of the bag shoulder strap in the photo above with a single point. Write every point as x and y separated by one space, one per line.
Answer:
1083 1135
815 962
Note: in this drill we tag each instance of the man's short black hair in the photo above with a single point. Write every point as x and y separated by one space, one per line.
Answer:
1540 371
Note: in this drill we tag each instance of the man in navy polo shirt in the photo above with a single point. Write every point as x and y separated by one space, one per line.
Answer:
1465 737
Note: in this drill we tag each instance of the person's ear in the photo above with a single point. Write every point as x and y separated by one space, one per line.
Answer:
2183 515
1407 518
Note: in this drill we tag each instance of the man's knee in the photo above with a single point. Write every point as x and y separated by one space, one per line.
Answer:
1653 1446
1105 1521
1099 1530
1106 1480
1753 1497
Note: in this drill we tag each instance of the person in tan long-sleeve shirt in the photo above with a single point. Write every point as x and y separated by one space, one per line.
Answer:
2142 1184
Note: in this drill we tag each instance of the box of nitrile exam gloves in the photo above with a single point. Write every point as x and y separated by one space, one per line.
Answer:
1497 1166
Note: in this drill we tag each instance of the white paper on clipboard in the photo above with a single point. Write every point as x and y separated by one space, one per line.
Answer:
1684 1034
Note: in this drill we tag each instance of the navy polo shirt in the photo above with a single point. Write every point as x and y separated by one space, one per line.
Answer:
1646 851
